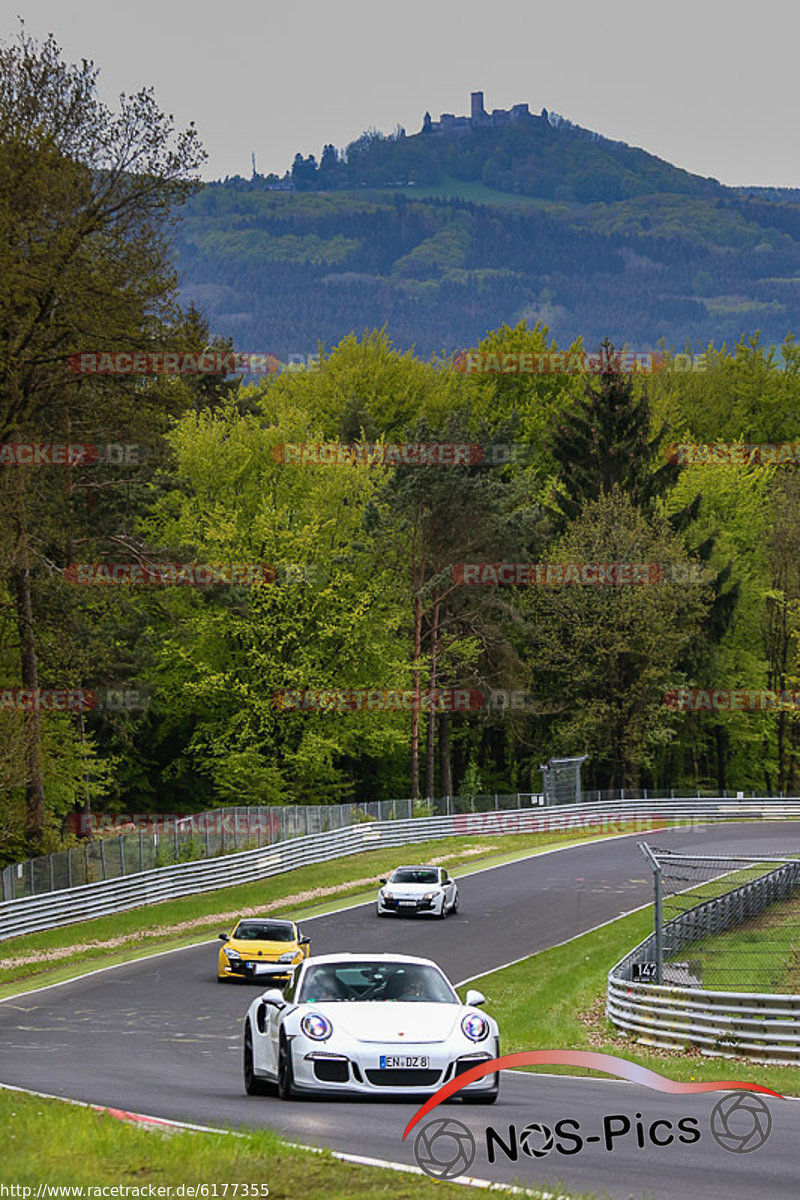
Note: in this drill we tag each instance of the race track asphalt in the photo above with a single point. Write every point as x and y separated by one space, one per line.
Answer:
160 1037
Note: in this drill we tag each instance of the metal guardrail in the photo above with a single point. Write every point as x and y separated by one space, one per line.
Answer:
146 840
67 906
33 913
757 1024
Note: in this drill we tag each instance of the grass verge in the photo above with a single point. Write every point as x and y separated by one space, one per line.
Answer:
49 1142
556 1000
53 955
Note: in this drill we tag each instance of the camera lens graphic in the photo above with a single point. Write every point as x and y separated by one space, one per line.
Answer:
444 1148
741 1123
536 1140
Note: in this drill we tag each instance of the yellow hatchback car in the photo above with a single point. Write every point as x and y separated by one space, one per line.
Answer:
260 948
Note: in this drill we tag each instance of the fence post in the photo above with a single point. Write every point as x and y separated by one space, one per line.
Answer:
141 849
86 860
103 856
52 880
33 881
657 918
121 856
69 868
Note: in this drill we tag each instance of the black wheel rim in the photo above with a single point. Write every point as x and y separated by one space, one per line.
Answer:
248 1059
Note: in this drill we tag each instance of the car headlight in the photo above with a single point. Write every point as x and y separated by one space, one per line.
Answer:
231 953
316 1026
475 1027
430 895
289 956
387 895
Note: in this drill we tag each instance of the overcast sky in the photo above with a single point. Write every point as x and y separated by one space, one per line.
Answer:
711 87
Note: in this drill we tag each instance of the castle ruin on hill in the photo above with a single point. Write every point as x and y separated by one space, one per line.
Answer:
479 118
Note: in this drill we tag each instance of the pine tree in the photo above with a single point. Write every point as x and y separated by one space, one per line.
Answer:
604 441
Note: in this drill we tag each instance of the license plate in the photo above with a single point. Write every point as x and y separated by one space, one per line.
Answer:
407 903
404 1060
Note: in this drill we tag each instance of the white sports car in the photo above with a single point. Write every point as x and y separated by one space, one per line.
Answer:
418 890
373 1024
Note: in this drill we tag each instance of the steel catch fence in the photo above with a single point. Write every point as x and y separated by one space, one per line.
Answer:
721 970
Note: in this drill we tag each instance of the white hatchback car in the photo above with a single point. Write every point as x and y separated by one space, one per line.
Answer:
418 890
371 1024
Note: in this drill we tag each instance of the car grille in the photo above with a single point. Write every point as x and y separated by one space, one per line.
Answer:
403 1077
331 1071
466 1064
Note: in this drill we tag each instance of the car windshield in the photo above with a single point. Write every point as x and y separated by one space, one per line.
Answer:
411 982
263 931
415 875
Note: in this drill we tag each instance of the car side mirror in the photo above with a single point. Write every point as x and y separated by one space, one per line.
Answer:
223 937
382 880
475 998
304 941
274 997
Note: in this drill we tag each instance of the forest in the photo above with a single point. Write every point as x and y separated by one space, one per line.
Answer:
172 566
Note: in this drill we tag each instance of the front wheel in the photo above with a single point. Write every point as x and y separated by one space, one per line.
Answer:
454 909
285 1070
253 1084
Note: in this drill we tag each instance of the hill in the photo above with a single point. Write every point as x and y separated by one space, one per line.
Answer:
441 236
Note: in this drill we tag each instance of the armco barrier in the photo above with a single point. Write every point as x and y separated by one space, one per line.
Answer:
755 1024
65 907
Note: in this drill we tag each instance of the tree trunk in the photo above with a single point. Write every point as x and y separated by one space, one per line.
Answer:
445 764
430 773
415 708
721 735
20 585
34 782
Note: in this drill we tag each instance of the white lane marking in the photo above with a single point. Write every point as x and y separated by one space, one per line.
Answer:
346 908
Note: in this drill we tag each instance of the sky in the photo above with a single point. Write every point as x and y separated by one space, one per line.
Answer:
710 87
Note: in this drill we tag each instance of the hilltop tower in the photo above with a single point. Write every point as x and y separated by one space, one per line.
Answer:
477 111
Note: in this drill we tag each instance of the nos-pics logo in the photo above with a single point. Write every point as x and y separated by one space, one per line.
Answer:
445 1148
